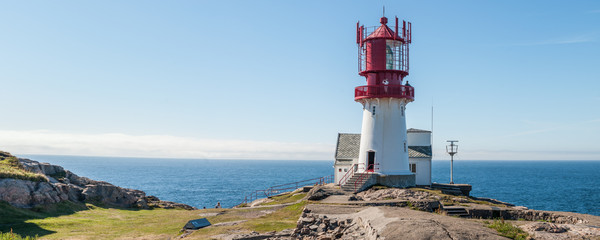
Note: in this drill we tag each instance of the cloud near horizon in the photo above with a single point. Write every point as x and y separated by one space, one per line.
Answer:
45 142
156 146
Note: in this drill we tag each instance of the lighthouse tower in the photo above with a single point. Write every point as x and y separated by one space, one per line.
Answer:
383 61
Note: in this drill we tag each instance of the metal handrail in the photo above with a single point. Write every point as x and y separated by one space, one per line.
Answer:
363 174
398 91
286 187
348 174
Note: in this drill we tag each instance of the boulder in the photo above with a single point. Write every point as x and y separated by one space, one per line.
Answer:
26 194
16 192
43 168
107 193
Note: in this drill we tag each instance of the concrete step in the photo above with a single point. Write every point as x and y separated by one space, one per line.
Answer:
456 211
358 180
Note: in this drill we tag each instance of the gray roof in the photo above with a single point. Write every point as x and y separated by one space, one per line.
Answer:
348 147
417 130
419 151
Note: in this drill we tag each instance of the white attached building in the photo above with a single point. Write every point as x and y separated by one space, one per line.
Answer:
419 154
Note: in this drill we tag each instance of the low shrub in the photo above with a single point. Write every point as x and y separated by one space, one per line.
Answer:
508 230
12 236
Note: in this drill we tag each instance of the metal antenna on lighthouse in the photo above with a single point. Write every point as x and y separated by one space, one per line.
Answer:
383 11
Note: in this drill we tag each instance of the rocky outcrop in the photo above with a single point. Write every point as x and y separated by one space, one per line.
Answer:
25 194
545 230
319 192
64 185
394 193
314 226
320 222
484 212
154 202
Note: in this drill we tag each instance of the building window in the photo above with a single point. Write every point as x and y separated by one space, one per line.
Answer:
389 57
413 167
373 110
339 170
345 170
405 146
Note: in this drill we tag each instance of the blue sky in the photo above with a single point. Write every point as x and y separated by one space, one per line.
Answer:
274 79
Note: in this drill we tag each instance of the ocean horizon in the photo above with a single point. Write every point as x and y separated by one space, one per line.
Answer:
554 185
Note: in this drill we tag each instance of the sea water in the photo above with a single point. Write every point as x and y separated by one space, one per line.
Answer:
572 186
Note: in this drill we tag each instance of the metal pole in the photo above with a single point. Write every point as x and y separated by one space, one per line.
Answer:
451 168
452 149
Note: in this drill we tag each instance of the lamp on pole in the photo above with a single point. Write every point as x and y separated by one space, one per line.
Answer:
452 149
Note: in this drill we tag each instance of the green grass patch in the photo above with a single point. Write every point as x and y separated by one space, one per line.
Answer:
283 218
67 220
11 168
508 230
279 220
486 203
286 198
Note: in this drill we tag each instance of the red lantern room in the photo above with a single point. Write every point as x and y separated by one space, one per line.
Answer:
383 60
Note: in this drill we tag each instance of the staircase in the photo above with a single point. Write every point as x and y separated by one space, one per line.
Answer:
456 211
357 182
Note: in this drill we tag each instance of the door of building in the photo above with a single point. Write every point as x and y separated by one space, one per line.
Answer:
371 161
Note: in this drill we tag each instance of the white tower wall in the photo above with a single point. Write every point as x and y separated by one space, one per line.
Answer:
384 132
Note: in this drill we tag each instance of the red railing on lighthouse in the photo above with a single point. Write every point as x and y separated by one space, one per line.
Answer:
383 91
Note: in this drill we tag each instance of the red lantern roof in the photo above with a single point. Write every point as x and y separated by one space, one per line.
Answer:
383 31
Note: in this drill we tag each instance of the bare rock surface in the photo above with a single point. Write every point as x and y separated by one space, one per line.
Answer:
354 222
516 213
64 185
394 193
391 214
546 230
322 192
386 197
281 235
23 193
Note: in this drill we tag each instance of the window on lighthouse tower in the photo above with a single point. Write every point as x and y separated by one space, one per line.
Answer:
389 57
